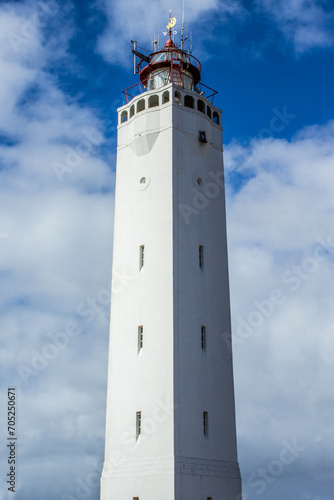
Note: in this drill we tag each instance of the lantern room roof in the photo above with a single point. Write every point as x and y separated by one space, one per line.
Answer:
169 43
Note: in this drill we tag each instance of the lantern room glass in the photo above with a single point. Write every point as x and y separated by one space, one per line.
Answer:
161 77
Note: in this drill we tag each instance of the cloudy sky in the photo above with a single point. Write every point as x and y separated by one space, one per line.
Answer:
63 65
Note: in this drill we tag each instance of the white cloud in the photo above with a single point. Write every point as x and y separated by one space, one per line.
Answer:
307 24
281 238
140 20
52 259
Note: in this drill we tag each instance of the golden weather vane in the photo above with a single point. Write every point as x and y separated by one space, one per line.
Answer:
170 25
172 21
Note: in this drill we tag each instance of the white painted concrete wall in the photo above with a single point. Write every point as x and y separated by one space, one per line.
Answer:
172 380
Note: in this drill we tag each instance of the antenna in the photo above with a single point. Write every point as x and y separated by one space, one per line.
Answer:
155 43
182 28
140 55
191 42
134 57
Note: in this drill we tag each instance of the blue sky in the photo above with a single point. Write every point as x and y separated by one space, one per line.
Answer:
63 65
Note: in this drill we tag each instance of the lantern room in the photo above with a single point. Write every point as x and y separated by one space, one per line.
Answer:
170 65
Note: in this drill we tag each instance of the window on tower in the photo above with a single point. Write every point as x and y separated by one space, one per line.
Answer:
189 101
202 136
138 424
200 256
132 110
153 101
124 116
203 337
140 105
208 111
141 256
201 106
177 97
215 117
165 97
140 337
205 423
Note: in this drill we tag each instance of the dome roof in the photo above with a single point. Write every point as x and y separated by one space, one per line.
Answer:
169 44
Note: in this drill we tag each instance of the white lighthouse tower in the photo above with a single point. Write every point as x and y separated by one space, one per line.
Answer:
170 427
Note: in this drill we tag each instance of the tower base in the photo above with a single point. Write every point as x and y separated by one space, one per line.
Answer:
182 478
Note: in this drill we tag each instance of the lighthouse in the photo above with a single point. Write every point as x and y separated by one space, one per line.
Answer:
170 423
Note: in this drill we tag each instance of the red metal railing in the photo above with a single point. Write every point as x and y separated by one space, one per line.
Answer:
184 58
140 87
214 92
127 94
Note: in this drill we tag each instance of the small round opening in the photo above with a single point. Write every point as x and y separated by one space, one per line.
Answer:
199 181
143 180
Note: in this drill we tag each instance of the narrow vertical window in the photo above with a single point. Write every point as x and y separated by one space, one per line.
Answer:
140 105
141 256
140 337
165 97
205 423
215 117
200 256
189 101
203 337
137 498
177 97
138 424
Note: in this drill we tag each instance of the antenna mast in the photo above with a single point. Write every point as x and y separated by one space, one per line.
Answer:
182 28
155 43
134 57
